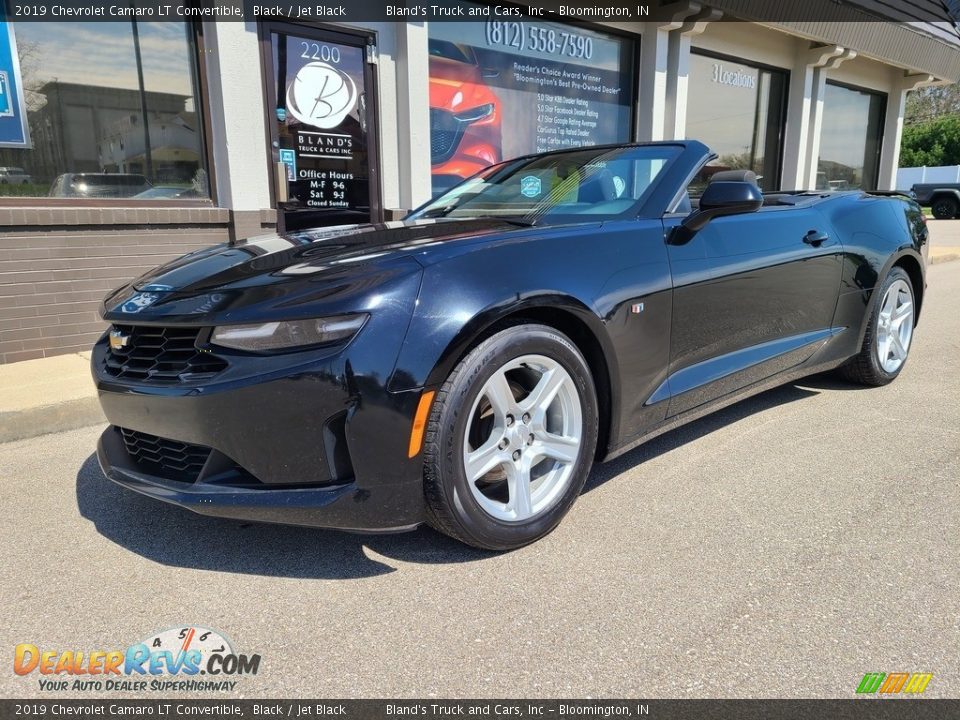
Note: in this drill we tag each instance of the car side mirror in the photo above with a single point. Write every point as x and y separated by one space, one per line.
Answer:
719 198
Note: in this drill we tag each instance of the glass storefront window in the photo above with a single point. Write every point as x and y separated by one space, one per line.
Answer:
499 89
738 111
850 138
112 111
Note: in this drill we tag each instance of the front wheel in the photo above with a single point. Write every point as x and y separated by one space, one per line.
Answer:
886 342
944 208
510 439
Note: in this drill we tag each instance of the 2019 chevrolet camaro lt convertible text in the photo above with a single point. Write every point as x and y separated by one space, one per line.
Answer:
466 366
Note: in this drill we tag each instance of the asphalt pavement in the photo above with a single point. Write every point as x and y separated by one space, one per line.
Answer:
780 548
944 233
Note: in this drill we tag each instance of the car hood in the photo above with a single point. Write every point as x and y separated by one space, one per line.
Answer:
280 271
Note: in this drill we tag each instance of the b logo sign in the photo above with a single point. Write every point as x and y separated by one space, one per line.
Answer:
321 95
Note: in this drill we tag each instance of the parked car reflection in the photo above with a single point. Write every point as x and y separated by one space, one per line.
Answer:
99 185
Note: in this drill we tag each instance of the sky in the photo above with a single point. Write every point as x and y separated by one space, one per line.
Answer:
102 53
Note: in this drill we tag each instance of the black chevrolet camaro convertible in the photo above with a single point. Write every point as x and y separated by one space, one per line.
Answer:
466 366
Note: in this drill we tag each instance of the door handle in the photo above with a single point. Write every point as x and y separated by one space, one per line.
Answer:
815 238
283 190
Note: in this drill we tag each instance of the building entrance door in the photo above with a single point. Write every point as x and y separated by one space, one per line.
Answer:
322 105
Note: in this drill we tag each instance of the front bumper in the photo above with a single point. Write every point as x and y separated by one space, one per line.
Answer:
317 442
332 507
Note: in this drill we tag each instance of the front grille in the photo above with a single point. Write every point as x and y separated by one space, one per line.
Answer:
445 132
165 458
160 355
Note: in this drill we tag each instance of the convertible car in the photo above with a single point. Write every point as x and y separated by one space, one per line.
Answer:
466 366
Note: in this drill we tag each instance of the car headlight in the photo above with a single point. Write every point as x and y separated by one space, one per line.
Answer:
264 337
474 114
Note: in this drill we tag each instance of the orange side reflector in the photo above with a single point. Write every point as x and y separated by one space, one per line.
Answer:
420 423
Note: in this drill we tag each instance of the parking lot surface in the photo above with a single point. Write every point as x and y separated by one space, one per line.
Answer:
780 548
944 233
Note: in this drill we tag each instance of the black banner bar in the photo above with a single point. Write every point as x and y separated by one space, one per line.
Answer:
854 709
454 10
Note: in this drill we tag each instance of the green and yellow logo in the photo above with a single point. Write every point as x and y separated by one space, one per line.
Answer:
894 683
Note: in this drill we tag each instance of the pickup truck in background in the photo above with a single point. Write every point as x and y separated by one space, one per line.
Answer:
943 199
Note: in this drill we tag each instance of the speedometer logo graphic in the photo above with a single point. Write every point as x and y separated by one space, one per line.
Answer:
185 639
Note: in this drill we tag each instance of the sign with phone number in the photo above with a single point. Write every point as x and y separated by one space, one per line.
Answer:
13 119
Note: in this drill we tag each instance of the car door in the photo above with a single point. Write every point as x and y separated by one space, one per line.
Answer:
753 294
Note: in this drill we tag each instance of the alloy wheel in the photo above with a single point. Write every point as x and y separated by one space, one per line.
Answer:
522 438
895 326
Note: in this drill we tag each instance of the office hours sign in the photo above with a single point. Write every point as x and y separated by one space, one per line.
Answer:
321 120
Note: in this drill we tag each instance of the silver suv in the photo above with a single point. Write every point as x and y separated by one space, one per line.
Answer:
14 176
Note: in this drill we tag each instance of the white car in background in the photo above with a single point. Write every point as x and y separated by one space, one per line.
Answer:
14 176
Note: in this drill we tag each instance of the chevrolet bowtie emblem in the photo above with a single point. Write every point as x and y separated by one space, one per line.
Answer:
118 340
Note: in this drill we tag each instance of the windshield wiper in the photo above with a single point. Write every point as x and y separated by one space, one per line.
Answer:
438 212
520 222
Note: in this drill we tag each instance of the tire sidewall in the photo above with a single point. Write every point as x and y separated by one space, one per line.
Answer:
480 365
949 208
895 274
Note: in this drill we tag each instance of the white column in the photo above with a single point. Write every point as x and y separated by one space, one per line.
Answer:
651 106
678 72
651 100
796 130
893 127
413 113
239 135
811 157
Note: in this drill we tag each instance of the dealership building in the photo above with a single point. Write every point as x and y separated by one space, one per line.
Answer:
125 144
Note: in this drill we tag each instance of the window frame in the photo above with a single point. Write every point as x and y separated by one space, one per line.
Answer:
884 101
784 101
199 78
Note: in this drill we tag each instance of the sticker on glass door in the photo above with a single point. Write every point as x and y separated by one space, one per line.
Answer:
321 133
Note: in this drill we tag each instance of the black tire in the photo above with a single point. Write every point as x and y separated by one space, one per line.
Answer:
944 208
451 506
865 367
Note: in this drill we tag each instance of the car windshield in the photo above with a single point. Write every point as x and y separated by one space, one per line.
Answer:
449 50
588 184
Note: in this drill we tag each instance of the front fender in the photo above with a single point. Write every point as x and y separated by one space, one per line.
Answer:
612 284
481 323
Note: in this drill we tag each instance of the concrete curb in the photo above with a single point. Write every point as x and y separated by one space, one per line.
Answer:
946 257
68 415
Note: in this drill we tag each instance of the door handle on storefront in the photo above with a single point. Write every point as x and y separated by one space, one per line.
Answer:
280 170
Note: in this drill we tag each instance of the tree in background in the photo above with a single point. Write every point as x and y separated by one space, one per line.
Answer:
931 132
932 143
931 103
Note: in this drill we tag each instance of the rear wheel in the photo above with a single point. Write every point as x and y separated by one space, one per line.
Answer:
511 438
886 342
944 208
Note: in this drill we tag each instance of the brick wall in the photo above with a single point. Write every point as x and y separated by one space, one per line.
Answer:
57 264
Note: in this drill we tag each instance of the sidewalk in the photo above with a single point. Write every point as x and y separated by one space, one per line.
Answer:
54 394
47 395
